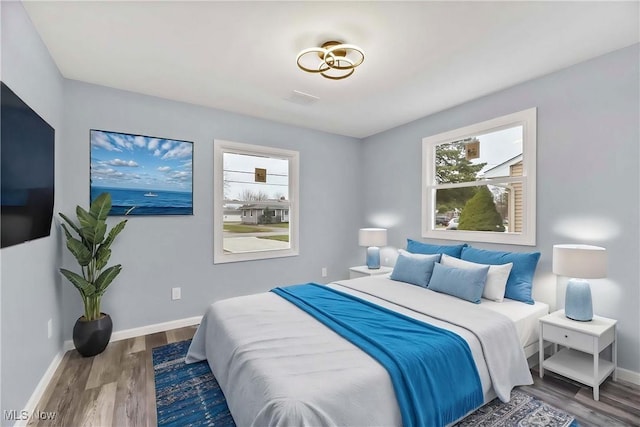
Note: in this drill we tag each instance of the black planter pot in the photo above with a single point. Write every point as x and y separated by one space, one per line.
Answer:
91 337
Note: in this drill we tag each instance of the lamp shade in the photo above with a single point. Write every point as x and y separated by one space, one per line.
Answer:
580 261
372 237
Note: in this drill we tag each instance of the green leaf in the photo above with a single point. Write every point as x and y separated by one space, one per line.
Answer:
70 222
80 251
88 234
85 218
102 257
84 287
66 231
105 279
114 232
94 235
101 206
101 230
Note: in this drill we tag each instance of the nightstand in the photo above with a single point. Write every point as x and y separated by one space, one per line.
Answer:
582 341
362 271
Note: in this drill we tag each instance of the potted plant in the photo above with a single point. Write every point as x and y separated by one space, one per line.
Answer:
92 250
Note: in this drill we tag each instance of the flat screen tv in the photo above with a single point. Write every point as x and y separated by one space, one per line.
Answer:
27 174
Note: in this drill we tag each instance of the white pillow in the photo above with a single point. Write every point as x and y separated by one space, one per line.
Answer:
496 278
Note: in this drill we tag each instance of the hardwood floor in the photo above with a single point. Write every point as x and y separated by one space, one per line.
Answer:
114 388
619 403
117 388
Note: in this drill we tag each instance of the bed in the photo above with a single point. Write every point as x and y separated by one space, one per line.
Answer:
279 366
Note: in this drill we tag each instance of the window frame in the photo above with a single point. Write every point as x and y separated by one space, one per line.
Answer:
219 148
528 120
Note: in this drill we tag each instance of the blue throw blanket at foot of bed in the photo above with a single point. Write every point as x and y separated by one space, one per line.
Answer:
432 370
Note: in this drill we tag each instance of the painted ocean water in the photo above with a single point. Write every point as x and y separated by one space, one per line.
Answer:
146 202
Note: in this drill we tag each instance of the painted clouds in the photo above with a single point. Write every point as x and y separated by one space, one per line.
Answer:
132 161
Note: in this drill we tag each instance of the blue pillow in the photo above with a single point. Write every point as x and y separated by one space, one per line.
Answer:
416 247
465 283
521 277
414 268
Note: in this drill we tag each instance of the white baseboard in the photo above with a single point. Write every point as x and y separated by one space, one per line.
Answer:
629 376
40 388
145 330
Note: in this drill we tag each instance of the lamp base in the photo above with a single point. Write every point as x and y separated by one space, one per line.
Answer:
373 257
577 301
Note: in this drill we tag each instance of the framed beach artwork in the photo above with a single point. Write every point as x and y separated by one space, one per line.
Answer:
145 175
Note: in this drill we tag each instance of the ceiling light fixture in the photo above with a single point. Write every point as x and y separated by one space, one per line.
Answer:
333 60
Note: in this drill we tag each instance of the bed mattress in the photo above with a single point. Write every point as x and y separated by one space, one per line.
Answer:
524 316
278 366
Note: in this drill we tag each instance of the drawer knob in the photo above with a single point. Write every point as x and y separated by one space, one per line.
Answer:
566 336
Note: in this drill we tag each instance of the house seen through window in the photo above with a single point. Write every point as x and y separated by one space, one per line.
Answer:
479 182
257 194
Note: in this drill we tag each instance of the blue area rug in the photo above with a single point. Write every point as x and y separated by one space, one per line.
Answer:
523 410
189 395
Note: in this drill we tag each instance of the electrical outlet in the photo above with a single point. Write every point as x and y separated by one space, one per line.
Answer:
50 328
324 271
176 293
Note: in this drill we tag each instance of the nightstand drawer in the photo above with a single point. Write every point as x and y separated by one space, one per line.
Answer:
567 338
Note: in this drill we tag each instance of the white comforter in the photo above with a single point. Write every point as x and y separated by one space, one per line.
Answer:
278 366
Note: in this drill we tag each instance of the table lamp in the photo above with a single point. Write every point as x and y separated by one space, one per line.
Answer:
373 238
579 262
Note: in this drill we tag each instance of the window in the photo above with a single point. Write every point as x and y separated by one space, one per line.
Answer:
479 182
256 202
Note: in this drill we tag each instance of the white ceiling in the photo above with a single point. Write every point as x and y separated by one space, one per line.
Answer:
421 57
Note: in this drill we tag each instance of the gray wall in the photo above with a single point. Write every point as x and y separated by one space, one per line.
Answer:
588 180
31 288
158 253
